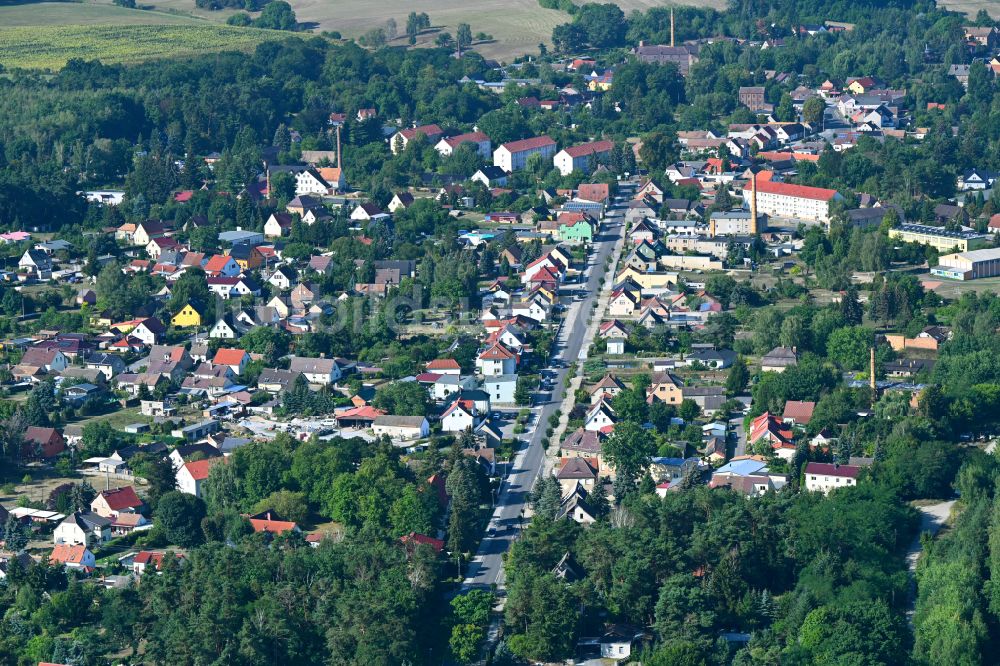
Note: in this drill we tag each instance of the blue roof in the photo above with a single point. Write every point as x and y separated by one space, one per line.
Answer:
743 467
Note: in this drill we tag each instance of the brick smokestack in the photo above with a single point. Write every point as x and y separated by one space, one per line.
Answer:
671 27
753 204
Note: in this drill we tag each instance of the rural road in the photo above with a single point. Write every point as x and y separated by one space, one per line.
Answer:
932 518
486 568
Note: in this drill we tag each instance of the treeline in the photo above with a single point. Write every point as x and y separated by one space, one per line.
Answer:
957 618
813 579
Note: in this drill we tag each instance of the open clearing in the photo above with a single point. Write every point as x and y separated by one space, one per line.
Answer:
971 7
50 46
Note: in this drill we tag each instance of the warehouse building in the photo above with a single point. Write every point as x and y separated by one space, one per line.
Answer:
969 265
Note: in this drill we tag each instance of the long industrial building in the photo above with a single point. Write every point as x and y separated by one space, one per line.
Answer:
940 238
969 265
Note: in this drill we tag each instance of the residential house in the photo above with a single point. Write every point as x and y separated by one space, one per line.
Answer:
235 359
278 225
490 176
221 265
600 417
400 201
276 381
83 528
323 371
824 477
108 365
72 557
248 257
191 476
42 442
112 503
497 360
775 432
779 359
47 359
664 387
368 212
575 471
501 388
187 316
444 366
401 427
459 416
798 412
149 331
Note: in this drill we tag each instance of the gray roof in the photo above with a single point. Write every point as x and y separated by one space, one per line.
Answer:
400 421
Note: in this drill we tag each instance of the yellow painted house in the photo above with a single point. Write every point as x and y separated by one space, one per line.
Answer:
187 317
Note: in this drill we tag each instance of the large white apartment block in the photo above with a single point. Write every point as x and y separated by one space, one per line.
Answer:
448 145
514 156
797 202
579 158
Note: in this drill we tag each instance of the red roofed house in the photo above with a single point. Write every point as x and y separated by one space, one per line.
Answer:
222 264
146 558
444 366
596 192
265 523
191 476
514 156
824 477
42 443
777 433
237 359
583 157
358 417
73 557
994 223
460 416
497 360
798 412
414 540
110 503
402 138
798 202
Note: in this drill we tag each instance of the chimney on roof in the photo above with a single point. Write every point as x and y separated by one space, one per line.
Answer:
671 27
753 203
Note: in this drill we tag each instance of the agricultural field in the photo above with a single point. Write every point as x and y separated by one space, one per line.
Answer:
50 46
971 7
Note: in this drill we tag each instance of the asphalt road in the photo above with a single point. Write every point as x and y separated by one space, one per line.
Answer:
486 568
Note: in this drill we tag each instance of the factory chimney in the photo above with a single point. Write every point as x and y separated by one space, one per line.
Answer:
339 164
871 374
671 27
753 203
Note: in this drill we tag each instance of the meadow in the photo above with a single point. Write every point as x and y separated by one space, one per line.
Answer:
50 46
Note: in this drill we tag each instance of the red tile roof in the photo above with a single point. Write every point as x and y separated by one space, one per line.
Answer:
585 149
199 469
797 191
799 411
414 539
66 554
594 192
228 356
472 137
272 526
528 144
216 263
497 352
430 131
443 364
121 498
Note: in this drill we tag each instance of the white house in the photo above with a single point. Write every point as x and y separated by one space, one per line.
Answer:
37 262
447 146
600 416
83 528
73 556
514 156
824 477
148 331
322 371
401 427
497 360
459 416
583 157
278 225
283 277
617 642
501 388
223 330
191 476
797 202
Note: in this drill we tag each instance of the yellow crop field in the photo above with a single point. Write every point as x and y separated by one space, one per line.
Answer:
49 47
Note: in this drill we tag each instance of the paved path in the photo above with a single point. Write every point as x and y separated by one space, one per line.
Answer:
932 518
486 568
